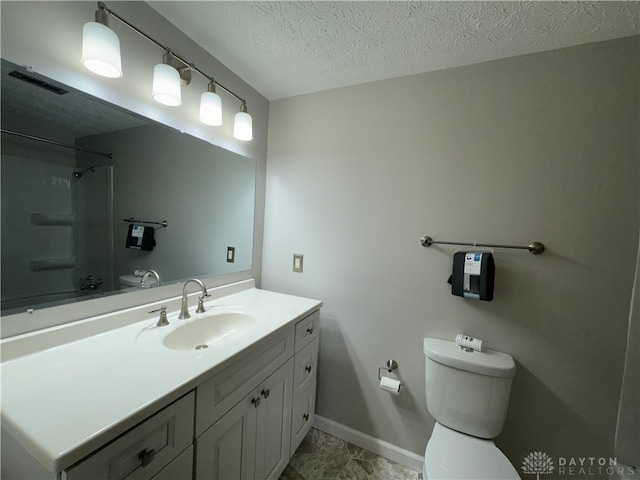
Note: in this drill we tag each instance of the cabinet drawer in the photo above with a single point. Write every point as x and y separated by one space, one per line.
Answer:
305 369
145 450
302 417
307 330
217 395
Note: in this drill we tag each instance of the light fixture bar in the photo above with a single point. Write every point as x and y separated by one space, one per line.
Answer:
192 66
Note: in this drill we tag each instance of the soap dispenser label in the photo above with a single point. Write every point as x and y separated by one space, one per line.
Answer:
138 231
472 268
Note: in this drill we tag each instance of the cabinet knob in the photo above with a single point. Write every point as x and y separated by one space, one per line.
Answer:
310 330
305 416
255 402
147 456
265 393
308 369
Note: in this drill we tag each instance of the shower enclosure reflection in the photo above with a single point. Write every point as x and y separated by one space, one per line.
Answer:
63 206
45 221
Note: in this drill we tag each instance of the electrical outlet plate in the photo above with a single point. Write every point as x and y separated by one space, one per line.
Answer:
297 262
231 254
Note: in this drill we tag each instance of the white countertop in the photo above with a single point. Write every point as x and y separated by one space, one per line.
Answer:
62 403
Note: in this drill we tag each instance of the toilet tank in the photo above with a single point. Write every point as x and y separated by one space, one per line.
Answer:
467 391
129 281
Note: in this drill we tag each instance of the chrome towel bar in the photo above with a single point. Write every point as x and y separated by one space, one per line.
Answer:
535 248
132 220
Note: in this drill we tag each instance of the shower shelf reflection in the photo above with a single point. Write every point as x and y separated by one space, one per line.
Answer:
53 219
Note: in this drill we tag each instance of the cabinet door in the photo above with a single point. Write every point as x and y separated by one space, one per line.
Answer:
274 423
227 450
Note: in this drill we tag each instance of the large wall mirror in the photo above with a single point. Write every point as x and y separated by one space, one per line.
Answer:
75 170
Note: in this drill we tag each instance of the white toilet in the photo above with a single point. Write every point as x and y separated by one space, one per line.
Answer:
468 395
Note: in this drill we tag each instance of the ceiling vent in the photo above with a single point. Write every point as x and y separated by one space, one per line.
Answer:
38 83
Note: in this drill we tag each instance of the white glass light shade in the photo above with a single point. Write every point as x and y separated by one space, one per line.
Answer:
211 109
101 50
242 127
166 85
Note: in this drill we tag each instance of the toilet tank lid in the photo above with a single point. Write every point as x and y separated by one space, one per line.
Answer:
487 362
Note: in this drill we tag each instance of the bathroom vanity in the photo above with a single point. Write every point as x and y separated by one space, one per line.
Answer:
122 404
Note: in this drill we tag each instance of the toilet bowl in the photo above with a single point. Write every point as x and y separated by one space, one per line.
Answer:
467 394
453 455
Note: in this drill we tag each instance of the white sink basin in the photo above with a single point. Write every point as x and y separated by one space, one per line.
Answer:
219 325
207 330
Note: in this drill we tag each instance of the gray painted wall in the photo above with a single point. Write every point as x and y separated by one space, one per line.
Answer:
540 147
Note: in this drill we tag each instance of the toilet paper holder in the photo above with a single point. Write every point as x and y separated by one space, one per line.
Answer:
391 366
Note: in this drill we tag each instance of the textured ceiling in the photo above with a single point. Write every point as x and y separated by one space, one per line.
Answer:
290 48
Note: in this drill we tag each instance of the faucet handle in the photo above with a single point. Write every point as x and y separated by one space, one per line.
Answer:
200 308
162 321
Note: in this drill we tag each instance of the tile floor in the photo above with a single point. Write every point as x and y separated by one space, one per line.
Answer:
323 457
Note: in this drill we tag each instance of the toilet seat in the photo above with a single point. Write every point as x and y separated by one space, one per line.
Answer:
452 455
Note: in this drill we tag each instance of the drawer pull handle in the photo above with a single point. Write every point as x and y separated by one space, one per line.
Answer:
310 330
255 402
147 456
308 369
305 416
265 393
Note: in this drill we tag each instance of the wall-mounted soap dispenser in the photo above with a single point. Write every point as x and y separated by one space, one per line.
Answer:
473 275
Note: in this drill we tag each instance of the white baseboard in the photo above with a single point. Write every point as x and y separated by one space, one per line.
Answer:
375 445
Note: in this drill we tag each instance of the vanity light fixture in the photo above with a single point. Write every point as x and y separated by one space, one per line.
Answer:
211 106
101 46
242 127
101 55
166 82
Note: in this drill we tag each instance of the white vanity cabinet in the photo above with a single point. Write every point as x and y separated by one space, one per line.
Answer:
239 418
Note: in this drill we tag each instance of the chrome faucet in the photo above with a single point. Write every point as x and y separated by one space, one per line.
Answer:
146 275
184 310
